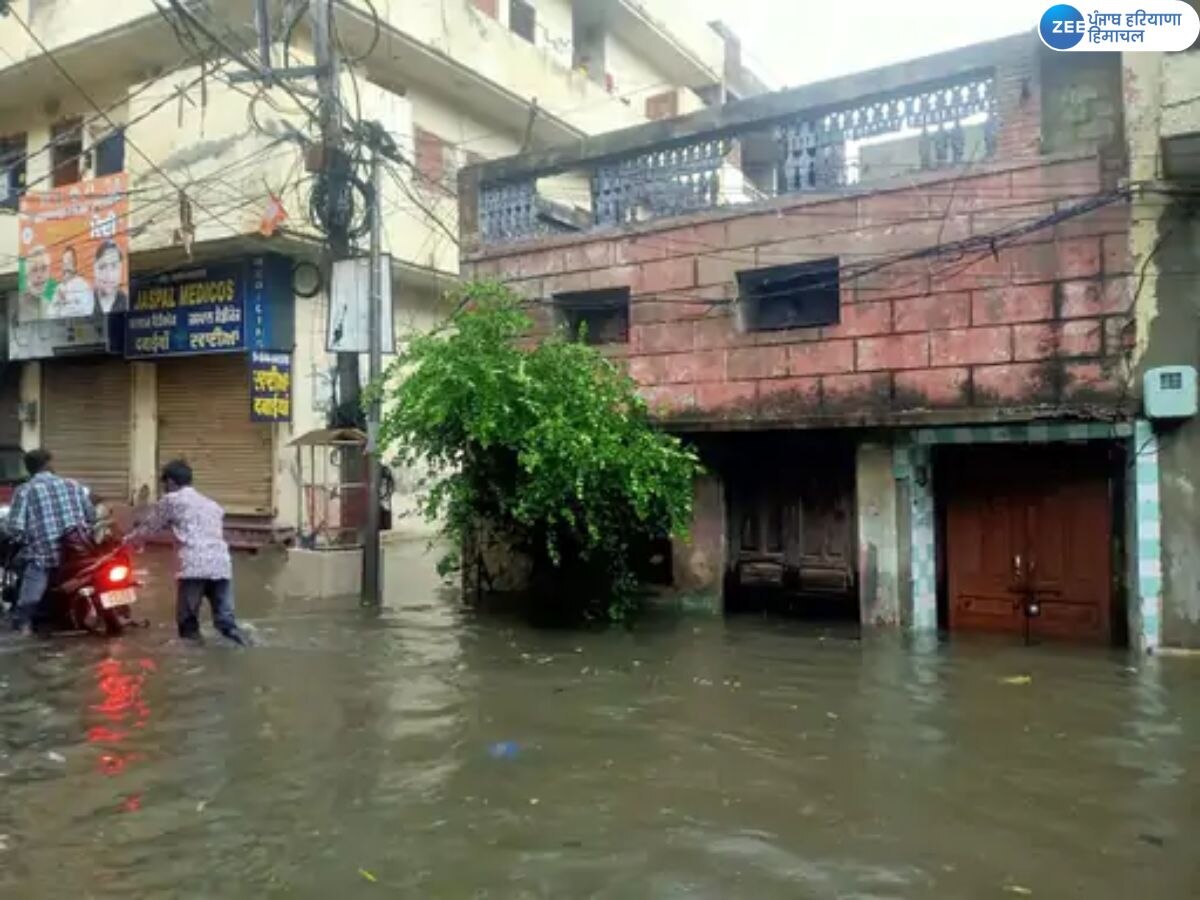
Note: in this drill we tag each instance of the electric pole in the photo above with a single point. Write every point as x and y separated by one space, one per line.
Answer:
372 574
335 167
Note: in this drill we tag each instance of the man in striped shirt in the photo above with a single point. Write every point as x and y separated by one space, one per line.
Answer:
45 510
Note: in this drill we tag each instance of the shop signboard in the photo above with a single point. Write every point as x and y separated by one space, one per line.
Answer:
270 387
220 308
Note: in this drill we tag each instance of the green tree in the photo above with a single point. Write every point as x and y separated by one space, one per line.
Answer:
546 442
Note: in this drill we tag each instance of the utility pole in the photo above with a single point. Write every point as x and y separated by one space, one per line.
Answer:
372 574
335 170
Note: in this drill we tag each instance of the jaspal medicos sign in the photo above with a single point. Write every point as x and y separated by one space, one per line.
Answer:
221 308
1156 25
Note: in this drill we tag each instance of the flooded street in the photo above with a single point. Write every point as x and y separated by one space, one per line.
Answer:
435 752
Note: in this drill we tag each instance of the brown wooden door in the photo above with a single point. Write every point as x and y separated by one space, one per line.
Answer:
1069 569
1024 527
796 527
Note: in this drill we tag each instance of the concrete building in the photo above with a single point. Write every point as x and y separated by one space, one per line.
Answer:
205 158
895 313
1162 101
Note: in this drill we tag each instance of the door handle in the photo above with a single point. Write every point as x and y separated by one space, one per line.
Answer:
1017 570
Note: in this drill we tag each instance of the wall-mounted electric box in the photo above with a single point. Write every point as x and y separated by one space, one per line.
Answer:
1169 392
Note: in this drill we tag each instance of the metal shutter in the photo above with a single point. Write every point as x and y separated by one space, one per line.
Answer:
86 422
10 402
204 418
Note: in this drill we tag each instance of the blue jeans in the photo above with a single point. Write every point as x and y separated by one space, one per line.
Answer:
35 578
190 597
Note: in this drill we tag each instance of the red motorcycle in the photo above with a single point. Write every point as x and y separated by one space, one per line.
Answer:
93 590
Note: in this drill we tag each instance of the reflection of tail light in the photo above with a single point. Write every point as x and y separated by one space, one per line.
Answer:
117 574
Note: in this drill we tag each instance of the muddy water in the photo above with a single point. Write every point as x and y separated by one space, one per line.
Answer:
431 752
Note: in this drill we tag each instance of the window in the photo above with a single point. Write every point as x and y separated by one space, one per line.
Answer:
596 317
488 7
662 106
12 169
109 153
431 158
66 151
794 296
522 19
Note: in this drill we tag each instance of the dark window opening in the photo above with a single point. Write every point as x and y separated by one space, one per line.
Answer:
522 20
652 561
12 170
595 317
110 153
802 295
66 152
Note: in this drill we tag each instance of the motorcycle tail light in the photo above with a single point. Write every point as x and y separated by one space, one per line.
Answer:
117 574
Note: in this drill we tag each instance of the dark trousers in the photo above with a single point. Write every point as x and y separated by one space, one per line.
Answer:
191 594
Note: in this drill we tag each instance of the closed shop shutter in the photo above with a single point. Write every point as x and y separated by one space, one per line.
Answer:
86 422
204 418
10 401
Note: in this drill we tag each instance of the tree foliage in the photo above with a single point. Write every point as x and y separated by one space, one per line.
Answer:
546 442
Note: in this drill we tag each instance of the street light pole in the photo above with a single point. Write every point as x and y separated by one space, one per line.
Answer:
372 580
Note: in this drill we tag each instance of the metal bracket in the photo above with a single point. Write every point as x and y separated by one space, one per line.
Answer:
269 75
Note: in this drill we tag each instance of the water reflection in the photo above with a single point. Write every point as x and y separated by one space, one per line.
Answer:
694 758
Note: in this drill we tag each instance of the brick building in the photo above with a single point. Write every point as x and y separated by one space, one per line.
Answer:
894 312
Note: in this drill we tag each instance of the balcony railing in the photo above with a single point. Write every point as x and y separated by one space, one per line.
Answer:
838 136
931 126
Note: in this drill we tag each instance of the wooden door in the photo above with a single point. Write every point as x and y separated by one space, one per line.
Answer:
794 526
1030 531
1069 568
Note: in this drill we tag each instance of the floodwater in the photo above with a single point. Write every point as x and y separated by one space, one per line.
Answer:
434 752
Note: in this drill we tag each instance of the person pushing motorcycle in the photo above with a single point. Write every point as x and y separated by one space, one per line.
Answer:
47 511
205 567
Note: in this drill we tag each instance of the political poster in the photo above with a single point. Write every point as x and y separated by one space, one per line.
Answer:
74 250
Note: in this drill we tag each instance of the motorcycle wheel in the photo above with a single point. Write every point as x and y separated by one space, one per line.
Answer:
112 623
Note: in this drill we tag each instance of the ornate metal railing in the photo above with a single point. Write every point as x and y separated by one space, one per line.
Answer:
509 211
952 122
660 182
813 149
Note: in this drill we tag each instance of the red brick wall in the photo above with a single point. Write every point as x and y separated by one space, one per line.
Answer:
1041 321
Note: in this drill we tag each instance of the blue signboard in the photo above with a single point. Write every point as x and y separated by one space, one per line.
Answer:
270 387
221 308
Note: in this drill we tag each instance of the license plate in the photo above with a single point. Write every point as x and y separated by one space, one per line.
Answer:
126 597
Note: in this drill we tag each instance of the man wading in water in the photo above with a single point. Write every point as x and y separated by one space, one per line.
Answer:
205 569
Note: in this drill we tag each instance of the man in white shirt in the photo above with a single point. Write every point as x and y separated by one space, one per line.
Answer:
74 297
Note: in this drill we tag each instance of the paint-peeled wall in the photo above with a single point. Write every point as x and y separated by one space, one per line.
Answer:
415 309
1161 102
